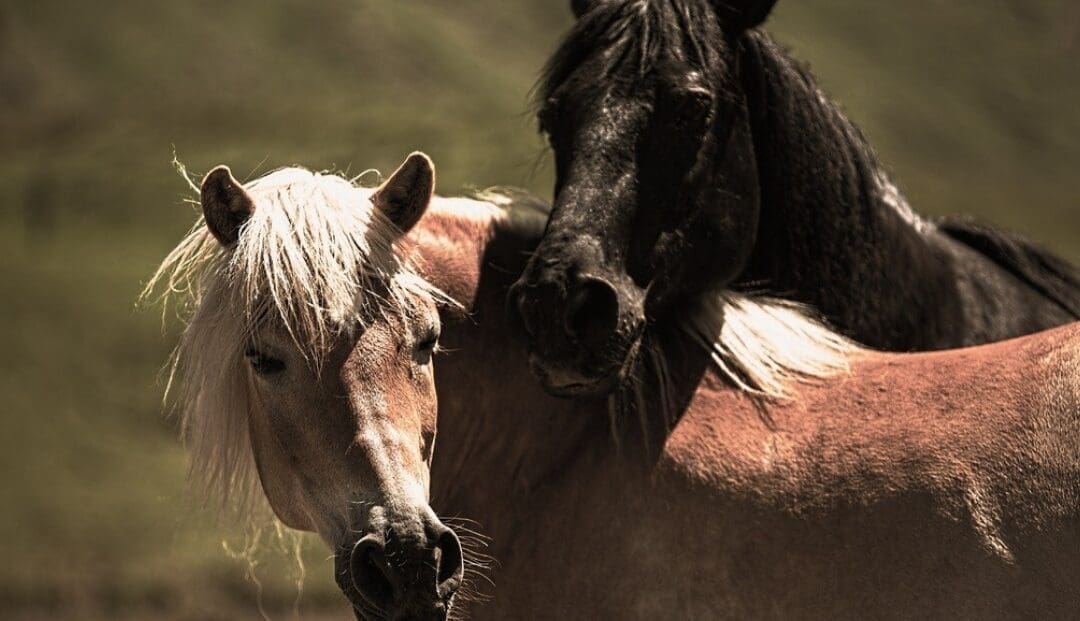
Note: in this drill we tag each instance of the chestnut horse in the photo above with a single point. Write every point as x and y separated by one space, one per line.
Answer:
931 485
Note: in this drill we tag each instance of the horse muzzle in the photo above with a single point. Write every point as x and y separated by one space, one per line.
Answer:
582 327
402 574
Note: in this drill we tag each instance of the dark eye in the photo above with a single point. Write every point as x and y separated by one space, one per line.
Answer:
425 347
691 105
263 364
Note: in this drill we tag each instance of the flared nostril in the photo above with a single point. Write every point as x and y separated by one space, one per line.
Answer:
449 563
592 312
371 574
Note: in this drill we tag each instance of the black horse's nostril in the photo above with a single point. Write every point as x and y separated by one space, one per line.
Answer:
371 575
592 312
449 563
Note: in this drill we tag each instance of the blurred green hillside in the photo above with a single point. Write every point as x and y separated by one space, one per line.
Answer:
973 104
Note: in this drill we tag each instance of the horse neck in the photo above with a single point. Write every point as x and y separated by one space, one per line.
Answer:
833 228
498 432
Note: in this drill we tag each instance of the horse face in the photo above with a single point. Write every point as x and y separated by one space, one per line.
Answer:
345 450
656 191
343 441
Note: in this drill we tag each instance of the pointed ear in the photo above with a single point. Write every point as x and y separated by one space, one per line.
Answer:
740 15
226 206
405 196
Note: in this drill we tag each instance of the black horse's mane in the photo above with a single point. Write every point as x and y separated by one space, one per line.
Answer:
636 36
821 184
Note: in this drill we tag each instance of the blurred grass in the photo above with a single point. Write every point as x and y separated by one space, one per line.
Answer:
972 104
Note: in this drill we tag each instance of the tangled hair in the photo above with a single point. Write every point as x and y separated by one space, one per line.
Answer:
315 257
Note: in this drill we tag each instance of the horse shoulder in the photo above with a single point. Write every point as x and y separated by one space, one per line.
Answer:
989 435
909 467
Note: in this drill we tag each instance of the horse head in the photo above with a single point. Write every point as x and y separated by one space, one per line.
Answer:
312 343
656 194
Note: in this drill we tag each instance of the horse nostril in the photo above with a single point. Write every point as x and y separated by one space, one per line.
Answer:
449 565
370 572
592 311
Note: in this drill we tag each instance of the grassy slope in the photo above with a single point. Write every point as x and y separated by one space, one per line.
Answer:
971 103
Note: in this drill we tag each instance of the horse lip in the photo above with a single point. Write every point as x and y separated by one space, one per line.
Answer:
575 390
577 387
440 611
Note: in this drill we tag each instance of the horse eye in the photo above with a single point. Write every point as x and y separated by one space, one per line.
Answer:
425 348
692 103
263 364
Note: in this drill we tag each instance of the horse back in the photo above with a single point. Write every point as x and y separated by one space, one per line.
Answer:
944 483
1048 274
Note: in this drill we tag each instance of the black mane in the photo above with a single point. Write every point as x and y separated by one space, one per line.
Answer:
636 36
1042 270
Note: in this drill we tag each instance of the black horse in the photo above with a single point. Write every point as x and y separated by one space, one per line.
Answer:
693 154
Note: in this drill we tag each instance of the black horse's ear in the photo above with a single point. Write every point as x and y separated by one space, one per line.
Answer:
740 15
405 196
226 206
581 7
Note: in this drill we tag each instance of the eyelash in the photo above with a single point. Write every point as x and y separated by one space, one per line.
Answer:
263 364
431 342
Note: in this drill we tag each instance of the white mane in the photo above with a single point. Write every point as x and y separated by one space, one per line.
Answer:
762 345
765 344
316 256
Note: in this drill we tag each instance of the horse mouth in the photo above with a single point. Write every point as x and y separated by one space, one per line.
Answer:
573 390
590 378
571 384
436 613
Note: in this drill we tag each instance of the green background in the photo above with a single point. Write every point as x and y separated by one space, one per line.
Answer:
972 103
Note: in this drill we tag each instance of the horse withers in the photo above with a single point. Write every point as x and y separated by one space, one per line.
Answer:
693 154
864 485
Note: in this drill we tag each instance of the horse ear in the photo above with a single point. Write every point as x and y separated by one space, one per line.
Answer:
405 196
226 206
581 7
740 15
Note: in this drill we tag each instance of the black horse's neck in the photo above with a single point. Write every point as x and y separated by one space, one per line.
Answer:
834 232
